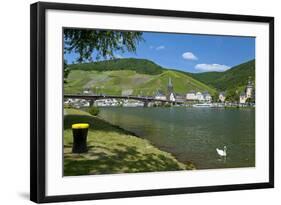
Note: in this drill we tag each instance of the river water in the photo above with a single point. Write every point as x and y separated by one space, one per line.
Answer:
193 134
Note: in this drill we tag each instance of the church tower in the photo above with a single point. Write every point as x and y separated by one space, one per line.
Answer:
249 89
170 94
170 86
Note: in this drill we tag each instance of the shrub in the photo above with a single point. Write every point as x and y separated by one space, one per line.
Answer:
68 106
167 105
93 111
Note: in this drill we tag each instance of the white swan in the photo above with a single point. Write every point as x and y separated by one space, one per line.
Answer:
222 153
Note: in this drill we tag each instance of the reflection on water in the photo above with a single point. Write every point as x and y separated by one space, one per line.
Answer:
193 134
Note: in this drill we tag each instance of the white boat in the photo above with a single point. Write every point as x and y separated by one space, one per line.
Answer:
203 105
218 105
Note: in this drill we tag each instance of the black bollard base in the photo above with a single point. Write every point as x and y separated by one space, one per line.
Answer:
80 132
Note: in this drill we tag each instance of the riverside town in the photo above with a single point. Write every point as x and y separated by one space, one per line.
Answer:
138 101
169 98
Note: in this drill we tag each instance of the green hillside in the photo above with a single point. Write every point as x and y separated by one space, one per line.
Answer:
182 83
141 76
232 79
141 66
116 82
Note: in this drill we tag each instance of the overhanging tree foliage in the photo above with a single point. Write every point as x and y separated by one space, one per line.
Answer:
86 41
100 43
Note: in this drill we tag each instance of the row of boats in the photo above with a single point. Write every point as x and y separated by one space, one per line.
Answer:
207 105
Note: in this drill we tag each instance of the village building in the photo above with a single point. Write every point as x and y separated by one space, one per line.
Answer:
199 96
222 96
249 89
207 97
160 96
191 95
180 98
172 97
106 102
242 98
249 92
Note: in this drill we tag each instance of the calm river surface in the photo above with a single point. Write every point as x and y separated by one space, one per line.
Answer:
193 134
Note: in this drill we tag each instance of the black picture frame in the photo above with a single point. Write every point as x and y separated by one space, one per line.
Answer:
38 101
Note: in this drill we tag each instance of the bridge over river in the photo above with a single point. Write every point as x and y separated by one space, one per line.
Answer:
93 98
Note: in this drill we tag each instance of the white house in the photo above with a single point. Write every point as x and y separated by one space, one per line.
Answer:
242 98
106 102
199 96
160 96
222 96
207 96
180 98
172 97
191 95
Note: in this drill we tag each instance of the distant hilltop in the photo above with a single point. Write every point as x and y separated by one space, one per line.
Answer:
145 77
235 78
141 66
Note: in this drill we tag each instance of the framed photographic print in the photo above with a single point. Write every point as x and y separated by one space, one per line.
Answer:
129 102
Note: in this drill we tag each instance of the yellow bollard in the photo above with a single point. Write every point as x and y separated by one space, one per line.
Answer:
80 132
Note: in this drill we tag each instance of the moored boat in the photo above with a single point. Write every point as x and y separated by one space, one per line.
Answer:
203 105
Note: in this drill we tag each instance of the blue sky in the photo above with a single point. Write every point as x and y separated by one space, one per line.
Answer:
191 53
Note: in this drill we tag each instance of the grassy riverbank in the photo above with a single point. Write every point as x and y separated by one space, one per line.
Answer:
112 150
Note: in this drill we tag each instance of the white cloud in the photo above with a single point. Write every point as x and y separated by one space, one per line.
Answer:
118 56
189 56
160 48
211 67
